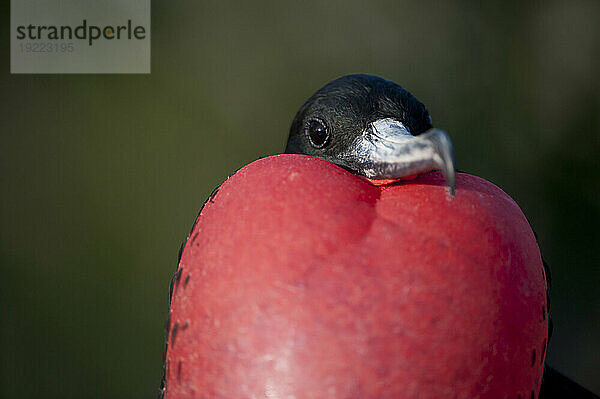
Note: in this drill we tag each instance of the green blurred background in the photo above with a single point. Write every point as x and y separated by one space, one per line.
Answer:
102 175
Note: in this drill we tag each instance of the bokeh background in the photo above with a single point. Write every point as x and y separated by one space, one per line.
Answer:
101 176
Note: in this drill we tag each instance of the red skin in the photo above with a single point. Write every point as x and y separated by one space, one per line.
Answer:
301 280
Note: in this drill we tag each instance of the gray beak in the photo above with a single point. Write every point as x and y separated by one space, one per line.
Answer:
387 150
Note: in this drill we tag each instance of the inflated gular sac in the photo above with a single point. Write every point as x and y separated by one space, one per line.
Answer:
302 280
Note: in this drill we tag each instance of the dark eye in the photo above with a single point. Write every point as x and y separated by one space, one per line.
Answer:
317 133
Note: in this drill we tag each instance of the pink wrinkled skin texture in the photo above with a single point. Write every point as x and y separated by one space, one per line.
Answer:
301 280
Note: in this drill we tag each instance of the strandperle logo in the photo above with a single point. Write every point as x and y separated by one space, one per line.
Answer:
80 36
84 31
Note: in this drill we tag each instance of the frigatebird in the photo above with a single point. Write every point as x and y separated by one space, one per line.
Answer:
268 301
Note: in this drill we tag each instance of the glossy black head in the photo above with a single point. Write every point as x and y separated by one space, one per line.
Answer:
345 107
372 127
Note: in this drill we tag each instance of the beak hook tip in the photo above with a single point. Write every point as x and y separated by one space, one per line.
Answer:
452 189
451 182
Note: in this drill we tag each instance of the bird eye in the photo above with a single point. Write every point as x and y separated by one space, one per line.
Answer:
317 133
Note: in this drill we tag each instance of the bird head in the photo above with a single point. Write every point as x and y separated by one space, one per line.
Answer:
372 127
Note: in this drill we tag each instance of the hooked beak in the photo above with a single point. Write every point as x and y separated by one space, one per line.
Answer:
387 150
